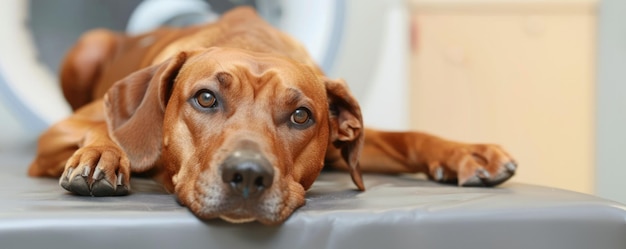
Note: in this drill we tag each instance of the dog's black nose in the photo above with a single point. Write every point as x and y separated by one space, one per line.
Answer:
247 172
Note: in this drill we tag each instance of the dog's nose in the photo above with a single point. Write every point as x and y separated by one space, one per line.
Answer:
247 172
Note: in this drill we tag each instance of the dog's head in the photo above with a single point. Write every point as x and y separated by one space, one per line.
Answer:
239 135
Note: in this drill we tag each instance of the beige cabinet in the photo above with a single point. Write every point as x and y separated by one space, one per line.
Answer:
517 73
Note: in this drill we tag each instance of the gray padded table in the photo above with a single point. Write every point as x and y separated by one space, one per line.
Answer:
395 212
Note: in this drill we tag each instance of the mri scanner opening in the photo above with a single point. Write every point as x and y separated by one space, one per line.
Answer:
334 32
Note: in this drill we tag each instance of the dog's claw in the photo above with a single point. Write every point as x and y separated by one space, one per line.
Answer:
121 188
120 176
476 165
100 186
103 187
439 174
102 172
473 181
97 174
86 171
483 174
511 167
483 178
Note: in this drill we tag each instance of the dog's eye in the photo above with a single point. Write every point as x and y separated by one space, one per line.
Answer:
206 99
301 116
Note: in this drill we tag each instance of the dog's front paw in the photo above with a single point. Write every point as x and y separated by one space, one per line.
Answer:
473 165
97 171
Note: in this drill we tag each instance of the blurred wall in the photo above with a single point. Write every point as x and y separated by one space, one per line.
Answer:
55 26
516 73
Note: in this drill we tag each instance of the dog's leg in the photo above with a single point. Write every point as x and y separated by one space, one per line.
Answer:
80 151
82 66
441 160
56 145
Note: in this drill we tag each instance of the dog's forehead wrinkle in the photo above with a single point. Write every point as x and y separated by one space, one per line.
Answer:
293 95
259 79
257 67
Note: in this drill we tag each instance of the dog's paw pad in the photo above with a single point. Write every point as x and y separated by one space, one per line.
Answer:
473 181
443 175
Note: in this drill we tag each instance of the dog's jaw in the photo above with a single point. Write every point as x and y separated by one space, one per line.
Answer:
207 198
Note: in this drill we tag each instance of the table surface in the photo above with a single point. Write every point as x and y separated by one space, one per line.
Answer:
395 212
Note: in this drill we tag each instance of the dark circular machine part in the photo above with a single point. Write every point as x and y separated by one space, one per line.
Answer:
56 25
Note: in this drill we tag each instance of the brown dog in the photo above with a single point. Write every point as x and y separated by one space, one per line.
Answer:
234 116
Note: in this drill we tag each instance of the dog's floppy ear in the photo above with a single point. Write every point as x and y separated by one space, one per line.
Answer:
346 126
134 110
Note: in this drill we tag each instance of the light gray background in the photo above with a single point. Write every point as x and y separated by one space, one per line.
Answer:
610 178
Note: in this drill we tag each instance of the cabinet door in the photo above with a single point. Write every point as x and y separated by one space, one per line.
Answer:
520 80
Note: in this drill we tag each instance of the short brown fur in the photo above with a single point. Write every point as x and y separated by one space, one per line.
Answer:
134 111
